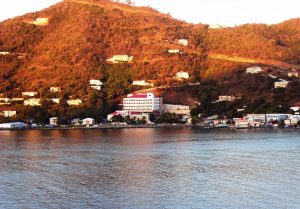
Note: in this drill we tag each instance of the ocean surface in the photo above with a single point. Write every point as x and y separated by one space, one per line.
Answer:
150 168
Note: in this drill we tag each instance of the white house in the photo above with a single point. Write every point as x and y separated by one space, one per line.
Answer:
293 74
295 109
55 100
145 102
253 70
4 53
227 98
182 75
74 102
281 84
9 114
241 123
55 89
142 83
183 42
88 122
98 88
177 109
29 93
120 58
94 82
40 21
17 125
174 51
53 121
32 102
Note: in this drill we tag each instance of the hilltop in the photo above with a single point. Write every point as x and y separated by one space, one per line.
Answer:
74 44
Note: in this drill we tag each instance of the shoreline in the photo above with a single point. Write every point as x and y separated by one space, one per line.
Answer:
107 127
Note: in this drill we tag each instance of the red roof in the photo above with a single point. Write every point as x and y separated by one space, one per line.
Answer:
138 96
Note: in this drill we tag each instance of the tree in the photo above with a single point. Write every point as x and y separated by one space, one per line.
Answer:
118 118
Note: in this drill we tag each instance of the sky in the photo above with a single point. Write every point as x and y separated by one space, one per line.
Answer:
223 12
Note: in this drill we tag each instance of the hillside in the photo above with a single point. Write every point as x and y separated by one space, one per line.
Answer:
80 36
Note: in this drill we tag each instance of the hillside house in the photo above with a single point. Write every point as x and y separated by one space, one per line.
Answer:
253 70
4 53
9 114
142 83
295 109
29 93
216 26
183 42
281 84
177 109
32 102
120 59
55 100
227 98
293 74
95 82
40 21
74 102
182 75
174 51
55 89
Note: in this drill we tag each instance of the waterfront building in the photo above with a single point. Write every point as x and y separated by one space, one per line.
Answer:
88 122
53 121
144 102
131 115
12 125
241 123
265 118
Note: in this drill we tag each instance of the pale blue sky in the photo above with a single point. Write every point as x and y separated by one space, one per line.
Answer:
225 12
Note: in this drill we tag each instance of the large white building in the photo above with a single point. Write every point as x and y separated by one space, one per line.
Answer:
267 117
145 102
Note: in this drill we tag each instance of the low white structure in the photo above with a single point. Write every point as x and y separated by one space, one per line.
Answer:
4 53
40 21
142 83
253 70
295 109
55 89
55 100
266 117
9 113
216 26
120 59
227 98
177 109
182 75
131 115
241 123
183 42
74 102
292 120
293 74
281 84
29 93
88 122
15 125
174 51
32 102
94 82
53 121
